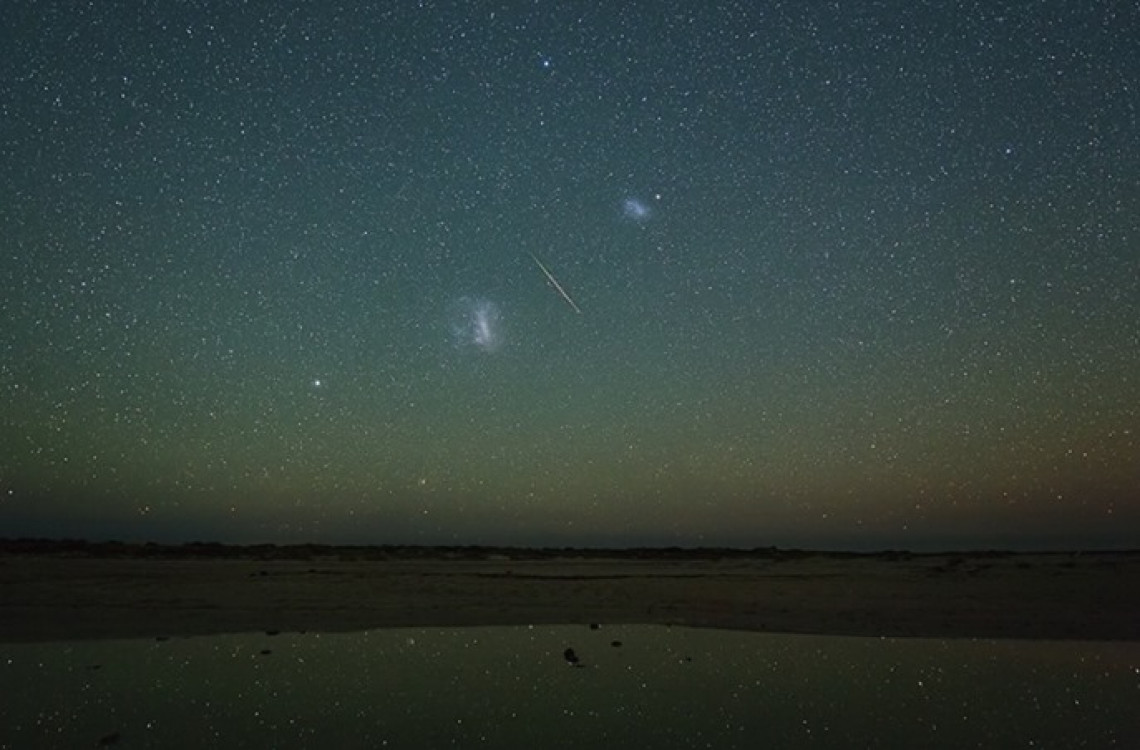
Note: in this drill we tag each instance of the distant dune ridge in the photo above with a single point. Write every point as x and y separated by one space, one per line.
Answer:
69 590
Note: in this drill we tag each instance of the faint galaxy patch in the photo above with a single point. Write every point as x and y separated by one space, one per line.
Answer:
476 323
636 209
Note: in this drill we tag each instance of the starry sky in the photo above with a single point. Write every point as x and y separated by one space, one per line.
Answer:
593 273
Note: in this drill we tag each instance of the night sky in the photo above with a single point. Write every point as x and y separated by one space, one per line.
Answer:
751 273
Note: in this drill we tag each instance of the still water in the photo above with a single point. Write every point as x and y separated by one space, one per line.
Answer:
519 687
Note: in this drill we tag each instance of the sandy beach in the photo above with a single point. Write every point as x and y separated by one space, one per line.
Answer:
54 596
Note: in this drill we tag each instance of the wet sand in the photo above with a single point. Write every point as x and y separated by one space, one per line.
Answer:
1091 596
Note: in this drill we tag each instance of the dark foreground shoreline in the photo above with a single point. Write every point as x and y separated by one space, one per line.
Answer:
56 591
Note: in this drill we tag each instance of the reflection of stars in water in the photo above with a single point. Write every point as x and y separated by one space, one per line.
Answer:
636 209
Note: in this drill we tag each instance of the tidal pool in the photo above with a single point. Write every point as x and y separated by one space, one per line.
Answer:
568 686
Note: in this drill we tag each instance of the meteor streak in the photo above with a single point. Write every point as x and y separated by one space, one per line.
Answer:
557 286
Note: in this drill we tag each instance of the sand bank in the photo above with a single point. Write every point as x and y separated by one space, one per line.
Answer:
1027 596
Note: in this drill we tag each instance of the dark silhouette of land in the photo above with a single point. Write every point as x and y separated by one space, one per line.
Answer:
68 589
